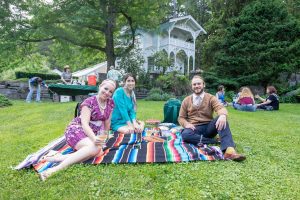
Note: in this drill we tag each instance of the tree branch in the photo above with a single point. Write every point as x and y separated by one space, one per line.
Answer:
38 40
73 41
129 20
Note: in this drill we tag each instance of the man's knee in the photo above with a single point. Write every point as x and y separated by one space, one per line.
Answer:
186 133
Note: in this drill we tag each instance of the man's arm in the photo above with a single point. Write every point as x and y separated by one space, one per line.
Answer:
222 113
182 118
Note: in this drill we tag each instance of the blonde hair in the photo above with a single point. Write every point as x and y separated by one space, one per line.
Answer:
110 81
197 76
246 92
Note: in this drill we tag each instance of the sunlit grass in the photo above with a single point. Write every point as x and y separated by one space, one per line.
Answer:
270 140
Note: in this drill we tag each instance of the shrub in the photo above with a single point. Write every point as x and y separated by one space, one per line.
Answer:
44 76
288 99
181 98
155 91
229 96
4 101
144 80
174 82
167 96
156 94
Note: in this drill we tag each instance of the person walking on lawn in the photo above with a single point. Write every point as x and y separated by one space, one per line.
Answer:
196 117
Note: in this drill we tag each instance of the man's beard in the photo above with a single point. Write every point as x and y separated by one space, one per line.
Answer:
198 93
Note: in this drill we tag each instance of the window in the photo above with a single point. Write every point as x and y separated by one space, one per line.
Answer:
150 64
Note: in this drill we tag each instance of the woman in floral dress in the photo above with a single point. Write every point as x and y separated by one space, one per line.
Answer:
81 133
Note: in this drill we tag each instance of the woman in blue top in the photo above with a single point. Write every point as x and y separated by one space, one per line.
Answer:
124 114
221 95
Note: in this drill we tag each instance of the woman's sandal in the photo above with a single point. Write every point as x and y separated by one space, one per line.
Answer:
51 154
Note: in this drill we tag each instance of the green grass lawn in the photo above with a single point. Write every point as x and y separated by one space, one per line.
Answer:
270 140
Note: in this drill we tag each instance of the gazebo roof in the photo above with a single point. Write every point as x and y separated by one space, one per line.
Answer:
189 20
98 67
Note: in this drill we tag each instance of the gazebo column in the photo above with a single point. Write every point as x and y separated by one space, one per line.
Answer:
188 65
169 35
175 66
194 38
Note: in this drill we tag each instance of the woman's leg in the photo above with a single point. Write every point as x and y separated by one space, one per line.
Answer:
124 129
86 149
237 106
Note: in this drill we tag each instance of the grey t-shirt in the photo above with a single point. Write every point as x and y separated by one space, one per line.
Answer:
67 76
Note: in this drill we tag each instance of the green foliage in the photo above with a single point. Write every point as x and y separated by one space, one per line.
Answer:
229 95
162 61
144 80
262 42
156 91
41 75
159 97
4 101
212 81
92 25
132 62
272 162
174 82
289 99
157 94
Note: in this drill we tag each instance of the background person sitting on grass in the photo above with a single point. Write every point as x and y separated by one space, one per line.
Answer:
81 132
221 95
196 117
124 115
271 102
245 101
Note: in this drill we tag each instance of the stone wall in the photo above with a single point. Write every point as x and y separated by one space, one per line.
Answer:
19 90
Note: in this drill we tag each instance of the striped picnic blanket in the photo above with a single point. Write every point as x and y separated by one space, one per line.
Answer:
131 148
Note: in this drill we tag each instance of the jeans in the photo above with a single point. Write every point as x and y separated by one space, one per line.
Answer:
264 107
31 90
248 107
208 131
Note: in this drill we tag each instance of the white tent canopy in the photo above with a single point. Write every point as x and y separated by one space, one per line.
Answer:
56 71
96 69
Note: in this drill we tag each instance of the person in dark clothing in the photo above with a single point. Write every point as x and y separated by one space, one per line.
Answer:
271 102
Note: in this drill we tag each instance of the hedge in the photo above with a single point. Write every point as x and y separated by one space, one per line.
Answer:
33 74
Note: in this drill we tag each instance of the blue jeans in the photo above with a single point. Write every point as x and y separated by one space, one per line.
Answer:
208 131
249 107
31 90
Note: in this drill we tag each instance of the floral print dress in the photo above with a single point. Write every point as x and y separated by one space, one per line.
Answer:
74 131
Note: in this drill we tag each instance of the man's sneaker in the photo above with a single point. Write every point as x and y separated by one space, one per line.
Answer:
234 156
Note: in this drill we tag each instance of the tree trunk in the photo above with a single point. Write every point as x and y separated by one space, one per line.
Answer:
109 35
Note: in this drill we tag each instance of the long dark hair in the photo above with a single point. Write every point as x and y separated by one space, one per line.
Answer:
126 76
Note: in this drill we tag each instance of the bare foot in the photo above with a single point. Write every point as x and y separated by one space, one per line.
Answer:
45 174
52 156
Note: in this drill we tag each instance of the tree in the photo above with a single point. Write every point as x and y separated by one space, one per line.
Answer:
132 62
261 43
88 24
162 61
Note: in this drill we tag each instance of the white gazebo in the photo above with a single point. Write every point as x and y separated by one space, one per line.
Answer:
97 69
176 38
